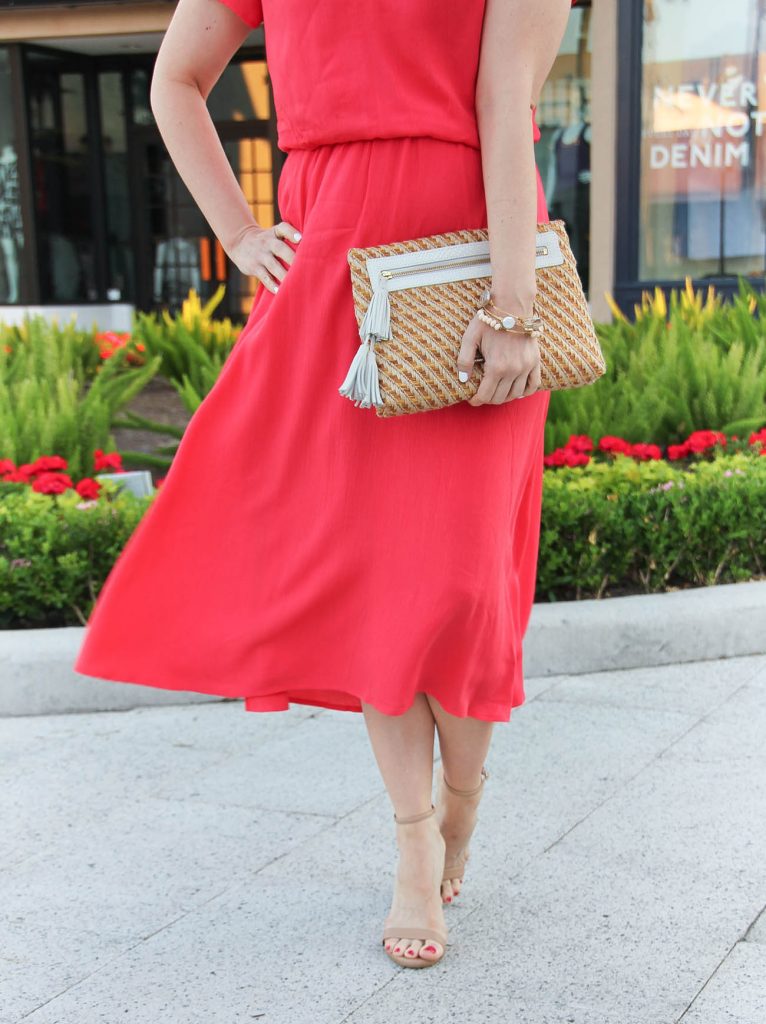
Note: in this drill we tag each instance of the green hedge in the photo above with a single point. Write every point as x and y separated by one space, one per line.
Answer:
56 551
640 527
608 528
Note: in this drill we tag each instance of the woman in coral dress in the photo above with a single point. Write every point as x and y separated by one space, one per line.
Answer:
303 550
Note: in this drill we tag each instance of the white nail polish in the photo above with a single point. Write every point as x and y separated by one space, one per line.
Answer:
462 376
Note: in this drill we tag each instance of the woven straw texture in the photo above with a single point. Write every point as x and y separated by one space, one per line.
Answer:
417 365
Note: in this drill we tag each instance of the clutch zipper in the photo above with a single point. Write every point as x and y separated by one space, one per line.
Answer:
460 261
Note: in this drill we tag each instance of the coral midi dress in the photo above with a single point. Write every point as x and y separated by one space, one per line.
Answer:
301 549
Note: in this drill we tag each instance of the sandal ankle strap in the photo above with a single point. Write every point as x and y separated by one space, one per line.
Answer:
414 817
466 792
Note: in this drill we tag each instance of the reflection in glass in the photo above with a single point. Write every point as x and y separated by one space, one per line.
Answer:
702 148
11 228
563 151
60 170
120 283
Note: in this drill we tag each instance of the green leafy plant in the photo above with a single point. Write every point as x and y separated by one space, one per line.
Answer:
192 348
58 395
695 363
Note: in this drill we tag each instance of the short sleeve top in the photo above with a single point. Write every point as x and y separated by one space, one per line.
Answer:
341 72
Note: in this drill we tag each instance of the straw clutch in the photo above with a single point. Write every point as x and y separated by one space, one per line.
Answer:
414 299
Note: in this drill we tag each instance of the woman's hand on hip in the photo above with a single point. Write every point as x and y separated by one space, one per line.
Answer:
262 252
511 363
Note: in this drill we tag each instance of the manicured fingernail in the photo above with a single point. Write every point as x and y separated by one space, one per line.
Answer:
297 236
462 376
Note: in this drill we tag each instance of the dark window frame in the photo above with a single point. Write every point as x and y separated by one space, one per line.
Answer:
91 65
627 288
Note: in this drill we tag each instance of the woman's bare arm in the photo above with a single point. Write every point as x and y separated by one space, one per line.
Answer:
201 39
520 41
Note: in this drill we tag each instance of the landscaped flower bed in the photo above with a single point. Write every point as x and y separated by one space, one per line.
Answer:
620 518
617 519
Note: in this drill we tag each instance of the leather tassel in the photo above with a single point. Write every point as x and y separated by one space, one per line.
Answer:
377 318
361 384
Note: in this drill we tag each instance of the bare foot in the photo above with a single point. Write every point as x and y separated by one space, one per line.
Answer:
457 816
416 891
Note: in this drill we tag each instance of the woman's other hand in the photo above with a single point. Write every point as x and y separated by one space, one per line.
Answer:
262 252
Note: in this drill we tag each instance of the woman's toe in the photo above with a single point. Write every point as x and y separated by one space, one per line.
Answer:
398 946
447 892
431 950
456 885
413 949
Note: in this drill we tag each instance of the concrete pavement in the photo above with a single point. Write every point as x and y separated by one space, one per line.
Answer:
197 863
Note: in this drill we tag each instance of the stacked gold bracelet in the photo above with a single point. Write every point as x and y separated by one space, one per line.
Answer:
502 320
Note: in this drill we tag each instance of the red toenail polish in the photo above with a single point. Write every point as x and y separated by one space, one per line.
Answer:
449 899
430 949
410 952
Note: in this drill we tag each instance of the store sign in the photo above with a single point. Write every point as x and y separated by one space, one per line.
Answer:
705 131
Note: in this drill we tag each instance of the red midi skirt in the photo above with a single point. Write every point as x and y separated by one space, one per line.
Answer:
304 550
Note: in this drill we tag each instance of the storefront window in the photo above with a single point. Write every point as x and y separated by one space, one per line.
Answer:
120 284
703 143
11 231
563 152
60 168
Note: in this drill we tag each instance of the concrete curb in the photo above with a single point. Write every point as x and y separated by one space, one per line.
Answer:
566 638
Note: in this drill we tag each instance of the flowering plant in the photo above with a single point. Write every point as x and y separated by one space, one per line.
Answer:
109 342
580 448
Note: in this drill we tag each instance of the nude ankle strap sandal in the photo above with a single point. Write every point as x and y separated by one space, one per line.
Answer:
409 931
456 867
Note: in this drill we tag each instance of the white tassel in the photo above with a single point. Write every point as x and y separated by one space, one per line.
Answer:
362 385
377 318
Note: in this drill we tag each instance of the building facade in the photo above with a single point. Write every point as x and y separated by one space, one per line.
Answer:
651 150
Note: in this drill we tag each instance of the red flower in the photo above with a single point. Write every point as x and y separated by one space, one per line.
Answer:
6 466
758 438
48 463
645 452
677 451
577 459
18 476
52 483
109 342
703 440
610 443
88 487
566 457
579 443
107 460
